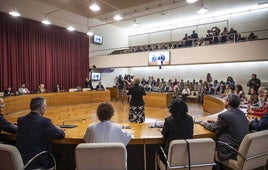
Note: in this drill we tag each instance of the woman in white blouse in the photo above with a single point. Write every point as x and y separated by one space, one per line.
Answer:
105 131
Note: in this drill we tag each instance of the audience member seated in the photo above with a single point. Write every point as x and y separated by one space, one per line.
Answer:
262 95
23 89
41 89
252 36
57 88
253 99
179 125
100 87
258 111
231 125
231 82
185 92
105 130
221 88
210 89
227 91
258 124
239 92
4 124
9 92
233 35
224 34
34 134
209 37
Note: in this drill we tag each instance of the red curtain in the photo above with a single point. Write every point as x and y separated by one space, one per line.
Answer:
33 53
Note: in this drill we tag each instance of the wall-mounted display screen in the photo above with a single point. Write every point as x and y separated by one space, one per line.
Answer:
158 58
97 39
95 76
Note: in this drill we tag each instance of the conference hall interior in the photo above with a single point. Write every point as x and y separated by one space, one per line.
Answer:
58 44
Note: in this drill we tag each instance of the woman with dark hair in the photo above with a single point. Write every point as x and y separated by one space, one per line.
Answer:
179 125
239 92
136 110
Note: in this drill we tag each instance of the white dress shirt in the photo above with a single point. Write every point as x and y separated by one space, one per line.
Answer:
106 132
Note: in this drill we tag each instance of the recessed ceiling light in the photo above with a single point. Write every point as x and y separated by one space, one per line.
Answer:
70 28
202 10
14 13
46 22
90 33
191 1
118 17
94 7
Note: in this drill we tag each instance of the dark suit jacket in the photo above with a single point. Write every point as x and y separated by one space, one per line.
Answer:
232 127
98 87
6 126
175 128
34 132
136 93
261 124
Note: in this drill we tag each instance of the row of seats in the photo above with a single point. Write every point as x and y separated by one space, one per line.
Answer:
199 155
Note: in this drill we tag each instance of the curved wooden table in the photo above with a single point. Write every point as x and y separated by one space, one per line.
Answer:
79 108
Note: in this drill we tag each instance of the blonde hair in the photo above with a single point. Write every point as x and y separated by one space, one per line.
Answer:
137 80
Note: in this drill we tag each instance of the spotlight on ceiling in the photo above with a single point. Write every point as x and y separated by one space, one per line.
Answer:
90 33
202 10
14 13
118 17
94 7
70 28
46 21
191 1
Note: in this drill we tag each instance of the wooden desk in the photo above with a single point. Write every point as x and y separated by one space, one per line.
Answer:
64 106
154 99
20 103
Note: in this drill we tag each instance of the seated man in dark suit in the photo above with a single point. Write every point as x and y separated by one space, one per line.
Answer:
34 132
100 87
4 124
231 125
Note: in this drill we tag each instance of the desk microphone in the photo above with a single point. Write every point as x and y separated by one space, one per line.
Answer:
70 125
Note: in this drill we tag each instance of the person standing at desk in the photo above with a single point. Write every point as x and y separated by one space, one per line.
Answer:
231 125
136 110
34 133
4 124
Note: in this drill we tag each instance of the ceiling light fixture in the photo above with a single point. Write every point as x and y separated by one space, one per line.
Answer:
135 25
90 33
202 9
118 17
70 28
191 1
94 7
14 13
46 21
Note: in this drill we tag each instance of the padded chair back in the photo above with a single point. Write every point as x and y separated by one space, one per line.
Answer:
101 156
10 158
254 147
201 153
